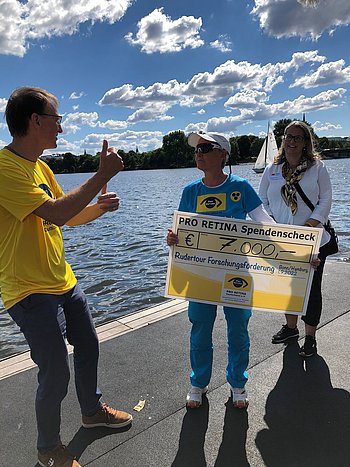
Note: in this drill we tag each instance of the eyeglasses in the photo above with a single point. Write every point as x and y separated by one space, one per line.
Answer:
296 138
204 148
57 117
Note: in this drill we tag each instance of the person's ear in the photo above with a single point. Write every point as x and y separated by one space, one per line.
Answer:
35 119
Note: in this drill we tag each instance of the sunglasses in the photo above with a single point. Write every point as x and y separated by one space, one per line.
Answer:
204 148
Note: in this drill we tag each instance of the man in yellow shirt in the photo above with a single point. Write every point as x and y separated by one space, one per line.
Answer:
38 287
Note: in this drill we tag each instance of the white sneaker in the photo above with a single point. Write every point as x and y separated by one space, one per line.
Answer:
239 398
194 397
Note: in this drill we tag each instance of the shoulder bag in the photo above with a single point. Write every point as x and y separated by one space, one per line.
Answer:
330 248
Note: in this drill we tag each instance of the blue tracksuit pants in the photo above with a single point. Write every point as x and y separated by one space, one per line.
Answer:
202 316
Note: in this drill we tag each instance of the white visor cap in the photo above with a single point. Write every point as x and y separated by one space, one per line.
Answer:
223 142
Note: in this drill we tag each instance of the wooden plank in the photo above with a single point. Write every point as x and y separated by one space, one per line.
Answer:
22 362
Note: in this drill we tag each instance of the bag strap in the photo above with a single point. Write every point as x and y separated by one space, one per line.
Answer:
308 202
303 196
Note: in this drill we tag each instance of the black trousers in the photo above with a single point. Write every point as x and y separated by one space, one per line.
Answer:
314 306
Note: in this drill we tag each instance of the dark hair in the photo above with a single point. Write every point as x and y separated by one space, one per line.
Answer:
309 151
22 103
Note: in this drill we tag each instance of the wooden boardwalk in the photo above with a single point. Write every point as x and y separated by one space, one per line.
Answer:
21 362
288 396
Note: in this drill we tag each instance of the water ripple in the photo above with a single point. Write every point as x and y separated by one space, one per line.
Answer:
120 260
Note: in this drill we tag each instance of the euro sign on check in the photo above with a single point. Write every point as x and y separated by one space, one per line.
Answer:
242 264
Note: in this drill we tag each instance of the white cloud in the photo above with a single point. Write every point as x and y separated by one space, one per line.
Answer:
75 95
208 87
322 101
224 124
75 107
150 113
128 140
245 86
223 44
142 115
195 127
318 126
327 74
74 121
301 58
287 109
21 23
157 93
157 32
248 99
287 18
63 146
13 28
202 89
166 117
3 103
113 124
66 146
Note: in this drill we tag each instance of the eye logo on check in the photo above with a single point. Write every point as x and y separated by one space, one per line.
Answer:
238 282
235 196
211 202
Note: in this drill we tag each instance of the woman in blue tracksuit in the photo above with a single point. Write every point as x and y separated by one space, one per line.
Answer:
218 194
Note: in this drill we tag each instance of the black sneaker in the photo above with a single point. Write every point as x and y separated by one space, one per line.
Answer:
309 348
284 334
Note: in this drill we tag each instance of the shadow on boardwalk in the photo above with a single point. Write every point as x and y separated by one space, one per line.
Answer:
191 451
308 420
84 437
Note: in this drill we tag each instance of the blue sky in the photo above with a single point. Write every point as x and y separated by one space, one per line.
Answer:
131 71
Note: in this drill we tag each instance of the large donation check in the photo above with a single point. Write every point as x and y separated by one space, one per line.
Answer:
242 264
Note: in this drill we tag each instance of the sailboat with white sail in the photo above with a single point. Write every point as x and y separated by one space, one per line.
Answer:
267 152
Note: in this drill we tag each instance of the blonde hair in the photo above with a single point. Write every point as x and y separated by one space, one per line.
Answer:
309 152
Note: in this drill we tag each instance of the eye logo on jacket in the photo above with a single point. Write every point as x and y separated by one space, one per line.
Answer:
210 203
45 188
48 226
235 196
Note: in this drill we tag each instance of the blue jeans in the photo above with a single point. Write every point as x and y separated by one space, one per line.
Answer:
202 317
45 320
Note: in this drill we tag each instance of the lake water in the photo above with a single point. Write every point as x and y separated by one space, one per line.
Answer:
120 259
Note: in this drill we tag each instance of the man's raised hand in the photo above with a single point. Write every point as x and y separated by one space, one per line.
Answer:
110 161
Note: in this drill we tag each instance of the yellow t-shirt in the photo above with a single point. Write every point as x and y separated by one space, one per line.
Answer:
32 258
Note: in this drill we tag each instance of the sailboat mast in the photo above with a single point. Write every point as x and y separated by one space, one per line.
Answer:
267 141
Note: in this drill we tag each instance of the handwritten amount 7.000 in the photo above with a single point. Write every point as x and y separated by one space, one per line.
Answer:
241 246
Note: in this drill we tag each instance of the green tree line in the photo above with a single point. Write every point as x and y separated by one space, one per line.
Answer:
176 153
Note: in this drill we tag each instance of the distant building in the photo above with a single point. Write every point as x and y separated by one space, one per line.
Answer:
338 138
50 156
336 153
